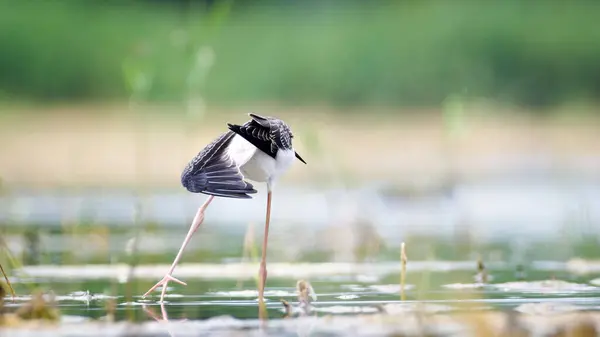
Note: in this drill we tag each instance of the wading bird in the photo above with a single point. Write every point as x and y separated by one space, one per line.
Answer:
260 150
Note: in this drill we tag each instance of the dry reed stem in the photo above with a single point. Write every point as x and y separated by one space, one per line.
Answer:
12 291
481 270
403 260
249 250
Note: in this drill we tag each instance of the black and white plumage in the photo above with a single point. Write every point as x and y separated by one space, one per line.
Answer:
267 134
259 150
213 172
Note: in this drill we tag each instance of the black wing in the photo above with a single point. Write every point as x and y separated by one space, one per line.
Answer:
213 172
258 134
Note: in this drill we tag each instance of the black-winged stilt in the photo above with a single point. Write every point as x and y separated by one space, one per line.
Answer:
260 150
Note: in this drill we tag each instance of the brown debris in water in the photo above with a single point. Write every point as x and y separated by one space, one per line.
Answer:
306 294
288 308
2 295
111 308
520 273
481 272
305 291
39 309
582 328
380 308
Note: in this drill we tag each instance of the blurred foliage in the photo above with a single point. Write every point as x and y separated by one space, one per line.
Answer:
406 53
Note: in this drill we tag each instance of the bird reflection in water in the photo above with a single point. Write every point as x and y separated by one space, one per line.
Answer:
164 317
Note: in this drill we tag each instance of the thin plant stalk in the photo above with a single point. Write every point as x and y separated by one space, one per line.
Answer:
12 291
481 271
424 283
132 262
403 260
249 249
14 263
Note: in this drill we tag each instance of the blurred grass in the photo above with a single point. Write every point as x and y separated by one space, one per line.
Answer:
231 248
340 53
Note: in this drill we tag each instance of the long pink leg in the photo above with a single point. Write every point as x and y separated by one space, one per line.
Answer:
263 263
169 275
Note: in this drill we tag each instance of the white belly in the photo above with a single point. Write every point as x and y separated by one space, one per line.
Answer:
256 165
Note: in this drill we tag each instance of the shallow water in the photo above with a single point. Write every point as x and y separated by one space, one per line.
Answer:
228 305
85 266
341 294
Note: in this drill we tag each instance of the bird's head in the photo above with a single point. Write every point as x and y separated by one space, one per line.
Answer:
283 130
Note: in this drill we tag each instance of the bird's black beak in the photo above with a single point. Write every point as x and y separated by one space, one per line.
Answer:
298 156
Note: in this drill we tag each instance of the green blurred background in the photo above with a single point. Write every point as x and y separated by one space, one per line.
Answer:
342 53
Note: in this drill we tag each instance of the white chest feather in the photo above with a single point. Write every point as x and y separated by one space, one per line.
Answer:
256 165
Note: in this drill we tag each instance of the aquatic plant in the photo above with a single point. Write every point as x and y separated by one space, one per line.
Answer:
482 275
249 250
39 309
2 291
287 307
306 294
403 260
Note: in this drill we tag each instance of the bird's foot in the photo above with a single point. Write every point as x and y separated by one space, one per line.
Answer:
164 282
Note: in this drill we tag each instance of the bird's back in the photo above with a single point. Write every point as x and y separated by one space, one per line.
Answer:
262 148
